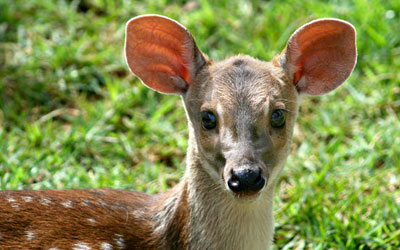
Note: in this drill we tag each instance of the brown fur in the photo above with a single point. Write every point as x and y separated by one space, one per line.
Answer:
55 225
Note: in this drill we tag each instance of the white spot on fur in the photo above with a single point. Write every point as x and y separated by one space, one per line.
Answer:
138 214
102 203
30 235
267 103
54 248
10 199
67 204
44 201
13 203
91 220
106 246
15 206
119 240
118 207
81 246
220 112
85 203
27 198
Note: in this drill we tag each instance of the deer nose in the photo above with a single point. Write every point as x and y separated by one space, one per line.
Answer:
246 180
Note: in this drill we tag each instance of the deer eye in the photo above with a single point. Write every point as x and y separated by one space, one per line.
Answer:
208 120
278 118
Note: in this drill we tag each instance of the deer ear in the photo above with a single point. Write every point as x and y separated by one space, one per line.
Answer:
320 55
162 53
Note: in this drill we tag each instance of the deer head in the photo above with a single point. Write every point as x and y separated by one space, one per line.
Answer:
241 110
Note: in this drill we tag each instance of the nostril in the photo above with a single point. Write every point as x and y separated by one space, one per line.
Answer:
258 178
256 181
259 183
234 185
234 182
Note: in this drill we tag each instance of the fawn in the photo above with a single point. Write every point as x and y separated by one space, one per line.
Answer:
241 113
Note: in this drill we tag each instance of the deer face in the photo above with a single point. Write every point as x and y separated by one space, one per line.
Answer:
243 112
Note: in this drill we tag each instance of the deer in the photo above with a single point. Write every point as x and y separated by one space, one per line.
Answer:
241 113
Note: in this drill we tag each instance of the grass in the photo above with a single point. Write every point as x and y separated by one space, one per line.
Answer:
71 116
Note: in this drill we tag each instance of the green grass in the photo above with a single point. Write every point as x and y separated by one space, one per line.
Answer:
71 115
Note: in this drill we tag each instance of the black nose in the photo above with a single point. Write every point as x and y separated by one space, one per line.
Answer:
246 180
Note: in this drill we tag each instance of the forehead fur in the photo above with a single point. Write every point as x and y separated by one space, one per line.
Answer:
244 80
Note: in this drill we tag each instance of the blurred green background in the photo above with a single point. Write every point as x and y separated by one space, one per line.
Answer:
72 116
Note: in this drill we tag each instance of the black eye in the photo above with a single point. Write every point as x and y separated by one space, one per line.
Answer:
278 118
208 120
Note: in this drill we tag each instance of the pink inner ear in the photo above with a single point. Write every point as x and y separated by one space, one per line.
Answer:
322 55
160 52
